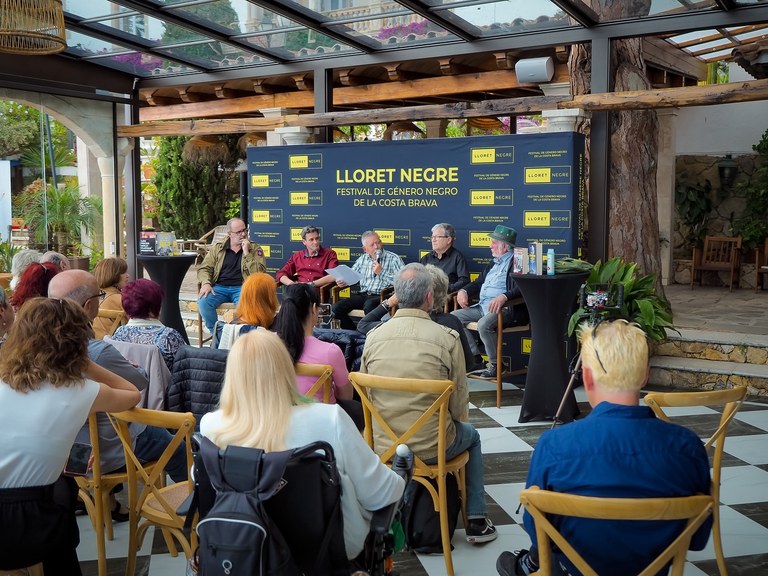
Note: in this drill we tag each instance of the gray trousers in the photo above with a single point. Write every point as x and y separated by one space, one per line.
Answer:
486 328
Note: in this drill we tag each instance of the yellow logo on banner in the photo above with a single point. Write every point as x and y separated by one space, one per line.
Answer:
534 219
482 198
386 236
299 198
342 253
298 161
525 345
260 180
538 175
267 249
296 234
474 276
260 216
479 240
483 155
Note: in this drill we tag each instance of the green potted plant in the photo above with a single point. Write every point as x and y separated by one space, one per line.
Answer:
59 214
641 303
752 226
694 206
7 252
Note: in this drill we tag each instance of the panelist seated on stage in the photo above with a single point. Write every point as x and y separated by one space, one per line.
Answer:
495 287
224 269
621 450
308 266
377 269
446 257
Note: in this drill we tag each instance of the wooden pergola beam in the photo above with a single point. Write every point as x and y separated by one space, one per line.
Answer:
633 100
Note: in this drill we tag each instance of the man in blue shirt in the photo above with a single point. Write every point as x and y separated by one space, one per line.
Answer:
621 450
495 286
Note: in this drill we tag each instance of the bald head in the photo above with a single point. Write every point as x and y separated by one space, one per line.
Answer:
77 285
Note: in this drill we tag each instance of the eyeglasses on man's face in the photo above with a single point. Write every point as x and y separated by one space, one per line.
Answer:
100 295
239 232
439 237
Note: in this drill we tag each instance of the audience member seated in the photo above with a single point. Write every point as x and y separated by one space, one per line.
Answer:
142 300
21 260
6 316
351 343
256 309
261 408
309 265
621 450
112 276
33 283
411 345
446 257
196 380
48 387
380 314
56 258
294 324
377 268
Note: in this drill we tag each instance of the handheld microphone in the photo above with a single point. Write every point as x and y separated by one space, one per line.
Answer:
378 256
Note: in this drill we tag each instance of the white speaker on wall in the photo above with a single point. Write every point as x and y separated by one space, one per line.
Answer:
535 70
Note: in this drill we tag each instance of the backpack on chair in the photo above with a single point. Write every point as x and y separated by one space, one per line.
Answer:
238 486
421 523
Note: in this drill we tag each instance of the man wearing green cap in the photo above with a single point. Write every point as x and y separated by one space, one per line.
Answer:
494 287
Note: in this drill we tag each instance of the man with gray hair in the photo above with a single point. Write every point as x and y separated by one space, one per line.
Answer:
446 257
377 268
56 258
224 268
411 345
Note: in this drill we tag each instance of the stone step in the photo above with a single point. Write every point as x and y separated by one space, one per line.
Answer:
715 346
703 374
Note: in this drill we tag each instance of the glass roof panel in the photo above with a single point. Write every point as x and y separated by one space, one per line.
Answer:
141 64
658 8
355 9
509 16
157 31
719 55
403 29
93 9
297 42
232 16
84 45
214 54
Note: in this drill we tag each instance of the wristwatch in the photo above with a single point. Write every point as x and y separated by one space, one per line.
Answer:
386 305
311 284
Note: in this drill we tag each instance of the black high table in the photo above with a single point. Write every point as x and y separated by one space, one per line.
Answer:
550 300
169 272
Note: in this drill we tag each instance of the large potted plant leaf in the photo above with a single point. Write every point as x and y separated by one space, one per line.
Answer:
641 303
63 213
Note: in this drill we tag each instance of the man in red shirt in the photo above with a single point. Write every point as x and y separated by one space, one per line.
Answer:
309 265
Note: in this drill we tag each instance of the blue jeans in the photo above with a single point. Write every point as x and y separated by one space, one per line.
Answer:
151 443
207 304
467 438
486 328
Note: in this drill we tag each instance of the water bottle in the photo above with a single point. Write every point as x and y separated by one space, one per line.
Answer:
551 262
402 463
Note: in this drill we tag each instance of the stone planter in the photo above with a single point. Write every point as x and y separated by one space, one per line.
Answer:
80 263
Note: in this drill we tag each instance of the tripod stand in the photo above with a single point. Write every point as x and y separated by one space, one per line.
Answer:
596 308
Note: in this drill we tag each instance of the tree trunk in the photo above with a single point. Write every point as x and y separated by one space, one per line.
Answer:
633 231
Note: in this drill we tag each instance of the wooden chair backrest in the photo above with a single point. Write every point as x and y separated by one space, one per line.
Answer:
541 503
324 376
720 250
365 384
113 319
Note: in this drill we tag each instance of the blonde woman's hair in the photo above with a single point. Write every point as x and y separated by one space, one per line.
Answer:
617 354
258 394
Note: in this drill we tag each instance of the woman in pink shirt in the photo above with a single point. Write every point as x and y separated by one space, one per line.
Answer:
294 323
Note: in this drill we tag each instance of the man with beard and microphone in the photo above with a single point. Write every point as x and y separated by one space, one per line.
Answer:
377 268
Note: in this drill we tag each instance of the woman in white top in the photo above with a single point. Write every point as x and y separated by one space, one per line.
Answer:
261 408
48 387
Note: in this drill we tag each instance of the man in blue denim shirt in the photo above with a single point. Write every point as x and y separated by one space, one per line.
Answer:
495 286
621 450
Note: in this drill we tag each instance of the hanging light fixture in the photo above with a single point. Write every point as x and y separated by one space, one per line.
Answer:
32 28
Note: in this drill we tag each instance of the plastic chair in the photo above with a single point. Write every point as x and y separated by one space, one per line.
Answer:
720 254
368 386
540 504
324 375
155 504
731 401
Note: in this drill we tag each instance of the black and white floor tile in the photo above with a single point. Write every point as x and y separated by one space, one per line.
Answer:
507 448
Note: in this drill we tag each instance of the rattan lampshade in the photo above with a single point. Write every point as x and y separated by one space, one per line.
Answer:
31 27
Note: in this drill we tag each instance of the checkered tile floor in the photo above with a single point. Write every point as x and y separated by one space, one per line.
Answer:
507 448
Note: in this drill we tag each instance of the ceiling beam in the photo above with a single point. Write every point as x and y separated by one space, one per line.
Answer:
631 100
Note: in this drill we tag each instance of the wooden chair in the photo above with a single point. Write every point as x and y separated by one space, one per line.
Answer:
542 503
94 491
761 266
368 386
204 243
111 320
731 401
324 375
720 254
154 503
500 331
222 310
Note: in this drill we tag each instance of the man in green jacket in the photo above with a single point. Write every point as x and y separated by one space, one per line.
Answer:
224 269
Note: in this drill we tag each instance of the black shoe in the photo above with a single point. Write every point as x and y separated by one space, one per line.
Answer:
117 515
513 563
480 530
